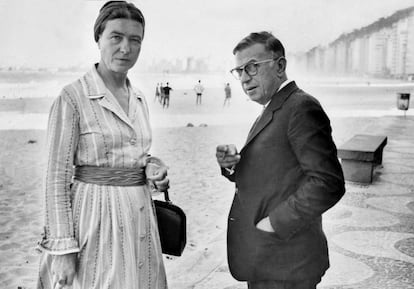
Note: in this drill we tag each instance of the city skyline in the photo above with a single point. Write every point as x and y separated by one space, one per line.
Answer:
383 49
59 33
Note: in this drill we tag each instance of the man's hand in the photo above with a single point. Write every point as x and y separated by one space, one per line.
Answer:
64 270
265 225
227 155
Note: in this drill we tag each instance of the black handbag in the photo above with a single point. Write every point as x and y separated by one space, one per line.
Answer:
171 226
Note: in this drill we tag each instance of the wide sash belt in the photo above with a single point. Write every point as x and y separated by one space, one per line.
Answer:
111 176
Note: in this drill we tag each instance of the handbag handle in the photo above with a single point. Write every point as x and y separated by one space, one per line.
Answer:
166 196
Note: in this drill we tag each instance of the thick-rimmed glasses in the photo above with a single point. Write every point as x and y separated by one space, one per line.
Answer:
250 68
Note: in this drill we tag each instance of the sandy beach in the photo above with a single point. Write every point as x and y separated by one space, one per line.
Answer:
196 184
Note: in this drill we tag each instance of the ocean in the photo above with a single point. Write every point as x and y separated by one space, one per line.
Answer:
25 100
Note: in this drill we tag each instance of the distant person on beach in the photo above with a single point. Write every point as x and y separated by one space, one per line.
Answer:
157 93
198 88
286 175
161 93
100 227
227 92
166 98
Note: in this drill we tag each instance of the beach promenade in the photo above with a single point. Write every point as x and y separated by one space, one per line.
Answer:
370 231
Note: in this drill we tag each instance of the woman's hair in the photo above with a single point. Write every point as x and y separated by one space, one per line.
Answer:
270 42
116 10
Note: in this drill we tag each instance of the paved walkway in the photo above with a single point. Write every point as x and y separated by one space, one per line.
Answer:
370 231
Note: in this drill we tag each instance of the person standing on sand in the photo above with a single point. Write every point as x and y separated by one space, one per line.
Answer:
166 99
161 93
286 175
100 227
227 92
157 93
198 88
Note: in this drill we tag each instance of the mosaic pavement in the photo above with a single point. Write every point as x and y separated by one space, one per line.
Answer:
370 231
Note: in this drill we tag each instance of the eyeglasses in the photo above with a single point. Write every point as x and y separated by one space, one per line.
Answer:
250 68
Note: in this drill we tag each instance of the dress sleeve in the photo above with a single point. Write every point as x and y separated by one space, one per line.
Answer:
62 141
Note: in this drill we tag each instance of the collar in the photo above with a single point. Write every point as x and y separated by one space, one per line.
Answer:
267 115
284 83
96 87
279 98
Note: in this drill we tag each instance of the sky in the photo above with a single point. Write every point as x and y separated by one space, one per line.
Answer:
59 33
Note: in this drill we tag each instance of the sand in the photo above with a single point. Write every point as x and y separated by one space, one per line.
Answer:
196 184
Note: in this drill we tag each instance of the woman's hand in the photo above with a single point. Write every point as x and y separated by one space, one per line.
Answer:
64 270
156 172
159 178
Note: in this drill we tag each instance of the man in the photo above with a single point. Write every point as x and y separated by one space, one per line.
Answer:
166 99
286 175
227 92
198 88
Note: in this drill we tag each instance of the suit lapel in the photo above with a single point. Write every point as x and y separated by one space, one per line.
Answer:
260 123
277 101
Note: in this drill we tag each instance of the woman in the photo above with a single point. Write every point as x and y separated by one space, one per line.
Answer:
100 228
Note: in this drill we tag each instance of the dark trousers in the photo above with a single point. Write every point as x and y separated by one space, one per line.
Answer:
198 99
279 284
166 101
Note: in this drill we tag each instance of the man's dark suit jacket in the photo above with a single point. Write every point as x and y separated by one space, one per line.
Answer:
288 171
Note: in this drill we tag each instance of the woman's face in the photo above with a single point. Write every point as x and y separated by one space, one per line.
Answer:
120 44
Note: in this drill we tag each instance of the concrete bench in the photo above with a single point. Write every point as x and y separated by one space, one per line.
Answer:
360 155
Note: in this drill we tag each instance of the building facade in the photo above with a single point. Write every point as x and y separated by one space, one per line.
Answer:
384 48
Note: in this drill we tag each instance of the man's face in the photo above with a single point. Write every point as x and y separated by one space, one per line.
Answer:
120 44
260 87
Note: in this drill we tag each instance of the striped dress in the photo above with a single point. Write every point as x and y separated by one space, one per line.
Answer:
112 228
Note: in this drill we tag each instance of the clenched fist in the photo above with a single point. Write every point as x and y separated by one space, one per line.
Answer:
227 156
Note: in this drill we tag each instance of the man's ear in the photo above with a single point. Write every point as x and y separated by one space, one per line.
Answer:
281 65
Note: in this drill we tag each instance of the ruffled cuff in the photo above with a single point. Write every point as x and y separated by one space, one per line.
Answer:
59 246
